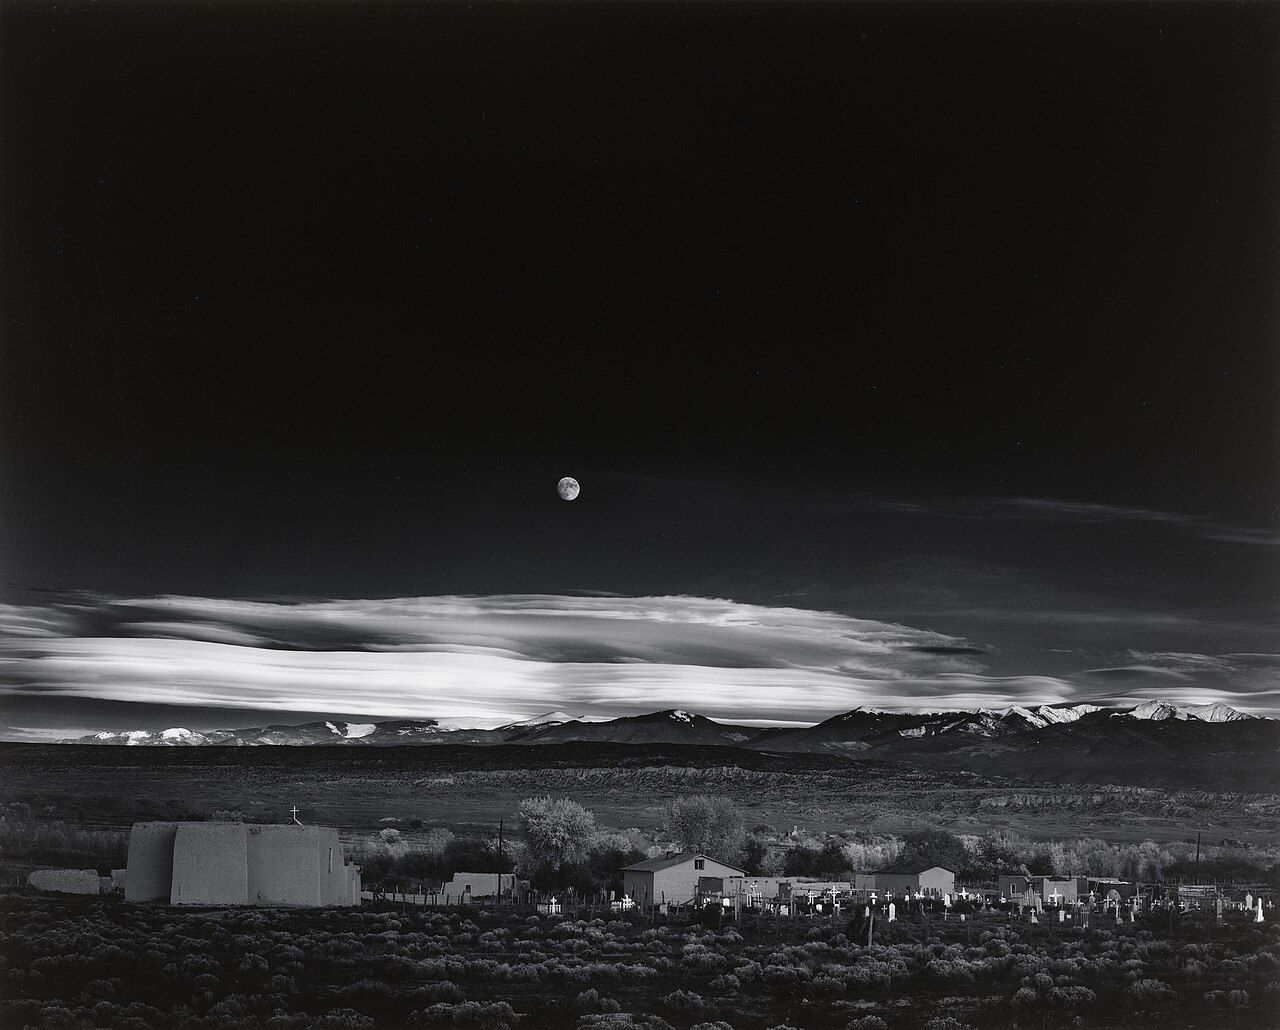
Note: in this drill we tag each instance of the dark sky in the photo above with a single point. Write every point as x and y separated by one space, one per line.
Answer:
817 301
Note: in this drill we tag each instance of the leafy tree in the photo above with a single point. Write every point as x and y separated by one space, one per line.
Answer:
936 847
472 856
754 853
557 832
610 854
828 862
699 822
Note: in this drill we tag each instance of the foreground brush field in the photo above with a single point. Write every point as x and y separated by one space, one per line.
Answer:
74 964
626 785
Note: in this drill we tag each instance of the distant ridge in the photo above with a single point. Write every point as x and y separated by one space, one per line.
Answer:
859 730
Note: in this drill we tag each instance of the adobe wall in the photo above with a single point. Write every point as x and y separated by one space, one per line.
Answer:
287 864
65 881
210 864
482 885
150 864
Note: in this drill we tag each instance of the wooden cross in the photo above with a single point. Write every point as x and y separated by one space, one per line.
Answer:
294 811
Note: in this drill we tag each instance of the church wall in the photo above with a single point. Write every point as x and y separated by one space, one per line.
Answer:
150 863
210 864
288 865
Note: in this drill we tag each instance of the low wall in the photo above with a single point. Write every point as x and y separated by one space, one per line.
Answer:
65 881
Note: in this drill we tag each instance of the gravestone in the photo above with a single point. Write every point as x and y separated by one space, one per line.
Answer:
893 912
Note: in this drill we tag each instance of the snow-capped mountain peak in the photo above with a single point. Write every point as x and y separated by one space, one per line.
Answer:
1161 710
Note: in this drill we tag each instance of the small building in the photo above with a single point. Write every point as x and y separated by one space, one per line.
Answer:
479 885
932 881
755 891
1102 887
1013 885
801 888
1061 890
1055 890
673 878
220 864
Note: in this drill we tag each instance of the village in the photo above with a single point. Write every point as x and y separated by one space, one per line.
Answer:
555 921
232 863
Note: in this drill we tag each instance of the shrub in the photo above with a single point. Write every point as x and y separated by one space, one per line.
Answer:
343 1019
827 988
787 981
1150 994
473 1015
685 1003
1072 997
867 1023
593 1001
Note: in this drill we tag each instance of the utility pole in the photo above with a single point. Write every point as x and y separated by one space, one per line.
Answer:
1197 856
498 894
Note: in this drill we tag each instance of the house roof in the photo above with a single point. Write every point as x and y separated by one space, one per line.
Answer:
911 869
653 865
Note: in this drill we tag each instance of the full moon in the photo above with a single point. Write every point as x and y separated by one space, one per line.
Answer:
567 488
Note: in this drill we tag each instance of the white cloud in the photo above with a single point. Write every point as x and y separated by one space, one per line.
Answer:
488 659
494 659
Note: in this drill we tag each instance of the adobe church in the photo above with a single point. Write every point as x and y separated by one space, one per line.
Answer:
239 864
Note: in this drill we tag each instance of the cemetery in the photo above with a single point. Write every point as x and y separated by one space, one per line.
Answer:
100 961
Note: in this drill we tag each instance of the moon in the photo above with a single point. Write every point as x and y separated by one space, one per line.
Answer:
568 488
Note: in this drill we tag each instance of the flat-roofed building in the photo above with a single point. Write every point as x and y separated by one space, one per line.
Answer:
479 885
932 881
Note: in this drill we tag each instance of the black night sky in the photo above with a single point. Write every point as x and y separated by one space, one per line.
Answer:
957 317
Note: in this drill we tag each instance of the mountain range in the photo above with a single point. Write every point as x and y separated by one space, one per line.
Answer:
859 730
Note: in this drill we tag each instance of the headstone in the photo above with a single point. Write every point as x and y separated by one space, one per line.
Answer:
1062 915
893 912
1033 916
1248 900
1258 918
